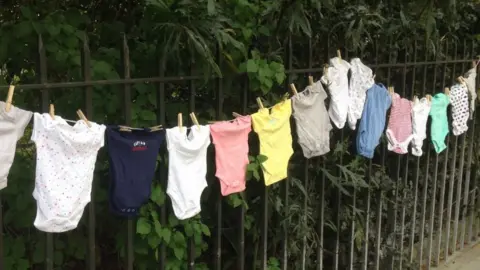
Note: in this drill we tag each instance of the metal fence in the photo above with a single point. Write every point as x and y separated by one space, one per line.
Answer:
442 187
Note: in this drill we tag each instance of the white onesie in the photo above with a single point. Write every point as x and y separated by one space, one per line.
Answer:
361 79
187 168
420 112
337 81
66 157
460 108
12 126
470 77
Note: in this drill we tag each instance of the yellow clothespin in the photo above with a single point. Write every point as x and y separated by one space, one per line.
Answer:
194 120
9 100
259 103
447 91
155 128
339 54
82 116
52 111
294 90
310 80
180 121
234 114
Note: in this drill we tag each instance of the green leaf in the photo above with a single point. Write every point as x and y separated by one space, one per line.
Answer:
143 226
158 196
251 66
166 235
205 230
179 239
280 77
179 253
262 158
53 30
252 167
23 29
256 175
18 248
38 253
58 257
153 241
158 227
22 264
211 7
172 220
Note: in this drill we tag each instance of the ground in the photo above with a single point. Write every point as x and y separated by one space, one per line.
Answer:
469 259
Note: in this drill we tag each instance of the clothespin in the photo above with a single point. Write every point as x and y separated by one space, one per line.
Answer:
52 111
155 128
259 103
194 120
9 100
82 116
415 99
373 77
125 128
447 91
179 121
310 80
234 114
294 90
339 54
461 80
391 90
429 98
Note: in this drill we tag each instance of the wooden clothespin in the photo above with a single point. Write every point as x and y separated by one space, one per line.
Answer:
156 128
234 114
9 100
52 111
461 80
294 90
82 116
447 91
125 128
373 77
339 54
180 121
415 99
310 80
429 98
194 120
391 90
259 103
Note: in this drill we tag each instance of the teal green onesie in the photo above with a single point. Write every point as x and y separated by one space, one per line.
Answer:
439 128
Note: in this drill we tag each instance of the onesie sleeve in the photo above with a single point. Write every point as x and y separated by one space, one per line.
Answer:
37 127
101 136
23 118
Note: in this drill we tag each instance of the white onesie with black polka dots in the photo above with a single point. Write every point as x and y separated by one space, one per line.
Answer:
460 109
66 157
470 78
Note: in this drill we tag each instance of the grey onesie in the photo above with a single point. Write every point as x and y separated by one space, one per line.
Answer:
12 126
312 120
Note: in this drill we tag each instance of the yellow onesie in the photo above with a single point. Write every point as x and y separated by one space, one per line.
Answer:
273 129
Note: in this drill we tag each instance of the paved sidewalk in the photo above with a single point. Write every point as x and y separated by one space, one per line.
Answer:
467 260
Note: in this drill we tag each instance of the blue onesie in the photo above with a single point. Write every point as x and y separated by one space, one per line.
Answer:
133 159
373 120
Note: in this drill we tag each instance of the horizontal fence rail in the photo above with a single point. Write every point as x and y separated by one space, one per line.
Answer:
410 213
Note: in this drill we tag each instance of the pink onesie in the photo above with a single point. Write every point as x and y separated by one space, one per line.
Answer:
231 153
399 131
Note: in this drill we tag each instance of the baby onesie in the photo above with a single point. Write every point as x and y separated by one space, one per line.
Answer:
439 127
66 157
420 111
399 130
470 77
311 118
231 153
460 109
361 79
132 159
337 81
12 126
372 122
187 168
273 129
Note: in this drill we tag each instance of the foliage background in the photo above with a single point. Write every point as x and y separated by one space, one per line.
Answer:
249 37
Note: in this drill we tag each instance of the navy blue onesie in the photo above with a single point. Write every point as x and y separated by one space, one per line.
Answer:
133 158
